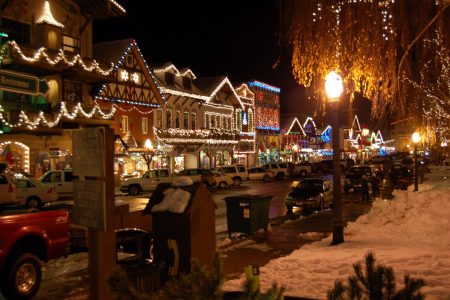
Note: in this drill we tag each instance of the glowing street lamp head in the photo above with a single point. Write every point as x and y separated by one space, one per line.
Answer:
333 86
416 137
148 144
295 148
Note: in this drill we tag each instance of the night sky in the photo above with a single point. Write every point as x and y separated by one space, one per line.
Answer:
234 38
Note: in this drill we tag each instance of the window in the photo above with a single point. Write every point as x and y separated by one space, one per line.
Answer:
71 44
144 125
52 40
213 121
124 123
170 78
129 60
177 119
207 122
17 31
72 91
168 119
193 123
159 118
244 118
250 121
186 120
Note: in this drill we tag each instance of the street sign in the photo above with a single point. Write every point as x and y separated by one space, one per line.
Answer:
22 83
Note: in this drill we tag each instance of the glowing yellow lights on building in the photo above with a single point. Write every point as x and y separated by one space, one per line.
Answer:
25 153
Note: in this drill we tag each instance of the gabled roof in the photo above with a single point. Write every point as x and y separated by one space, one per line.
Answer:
100 9
289 123
116 52
212 85
111 51
309 119
170 66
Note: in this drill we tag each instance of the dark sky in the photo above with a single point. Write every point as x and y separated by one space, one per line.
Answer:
235 38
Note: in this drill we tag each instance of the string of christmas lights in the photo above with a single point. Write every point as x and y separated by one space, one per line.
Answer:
33 122
60 57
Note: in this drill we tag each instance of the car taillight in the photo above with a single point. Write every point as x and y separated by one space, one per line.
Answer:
11 188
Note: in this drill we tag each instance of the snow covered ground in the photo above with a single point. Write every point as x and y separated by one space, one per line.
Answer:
410 233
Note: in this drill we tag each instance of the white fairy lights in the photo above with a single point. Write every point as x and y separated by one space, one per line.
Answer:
47 17
40 119
60 57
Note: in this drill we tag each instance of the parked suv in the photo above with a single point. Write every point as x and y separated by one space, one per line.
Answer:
279 169
61 180
301 168
259 173
237 173
146 183
353 177
199 175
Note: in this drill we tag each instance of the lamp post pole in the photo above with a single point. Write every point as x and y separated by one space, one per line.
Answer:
148 153
416 140
334 88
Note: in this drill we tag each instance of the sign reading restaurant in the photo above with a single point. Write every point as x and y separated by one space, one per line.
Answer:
22 83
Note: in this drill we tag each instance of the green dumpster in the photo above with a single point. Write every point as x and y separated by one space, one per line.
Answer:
247 213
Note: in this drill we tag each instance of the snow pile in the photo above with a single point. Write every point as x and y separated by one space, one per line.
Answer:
411 234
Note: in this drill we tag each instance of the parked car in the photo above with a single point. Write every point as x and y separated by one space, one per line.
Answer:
353 177
27 240
237 173
34 194
310 193
199 175
401 176
146 183
61 180
322 166
8 189
279 169
301 168
222 180
259 173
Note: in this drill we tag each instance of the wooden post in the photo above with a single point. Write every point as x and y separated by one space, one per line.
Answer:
102 245
93 160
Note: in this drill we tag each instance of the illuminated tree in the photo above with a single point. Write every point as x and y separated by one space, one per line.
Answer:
373 44
432 90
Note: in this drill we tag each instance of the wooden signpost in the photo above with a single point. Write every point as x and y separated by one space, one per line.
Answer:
93 150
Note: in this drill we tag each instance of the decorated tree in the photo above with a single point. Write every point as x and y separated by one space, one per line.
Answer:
377 46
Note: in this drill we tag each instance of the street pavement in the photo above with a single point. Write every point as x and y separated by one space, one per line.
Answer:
67 278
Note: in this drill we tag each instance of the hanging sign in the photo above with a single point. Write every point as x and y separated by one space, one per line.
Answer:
22 83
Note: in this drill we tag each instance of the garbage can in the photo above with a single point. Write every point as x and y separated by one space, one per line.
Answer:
137 245
247 213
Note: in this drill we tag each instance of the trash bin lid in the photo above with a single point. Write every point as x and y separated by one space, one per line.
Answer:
248 198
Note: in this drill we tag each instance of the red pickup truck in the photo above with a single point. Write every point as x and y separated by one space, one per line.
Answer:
26 240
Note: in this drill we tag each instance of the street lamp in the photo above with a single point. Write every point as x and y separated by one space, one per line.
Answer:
334 89
295 149
416 139
148 153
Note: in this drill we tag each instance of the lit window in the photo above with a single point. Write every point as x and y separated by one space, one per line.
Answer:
124 75
144 125
136 78
124 124
71 44
186 120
